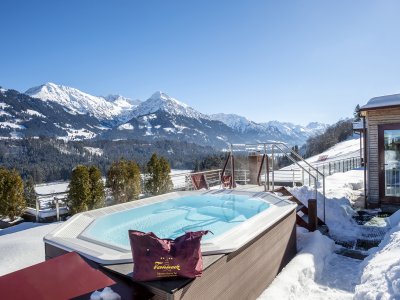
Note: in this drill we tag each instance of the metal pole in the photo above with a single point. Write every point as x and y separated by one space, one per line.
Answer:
273 165
323 192
37 209
266 170
232 171
293 177
330 169
309 177
57 209
302 176
365 155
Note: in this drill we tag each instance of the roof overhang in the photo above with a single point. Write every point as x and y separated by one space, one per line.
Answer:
382 102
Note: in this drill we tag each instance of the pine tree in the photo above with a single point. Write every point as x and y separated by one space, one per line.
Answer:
30 193
133 188
165 177
3 198
12 202
158 179
116 180
97 194
356 113
79 190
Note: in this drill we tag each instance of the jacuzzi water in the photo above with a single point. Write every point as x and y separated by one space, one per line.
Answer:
171 218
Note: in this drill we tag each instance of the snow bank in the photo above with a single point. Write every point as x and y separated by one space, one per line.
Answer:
343 150
22 245
342 190
380 278
297 279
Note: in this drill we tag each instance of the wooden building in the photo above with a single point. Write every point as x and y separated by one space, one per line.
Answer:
381 128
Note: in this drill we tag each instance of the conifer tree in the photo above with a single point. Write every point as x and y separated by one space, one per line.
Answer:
79 190
356 113
12 201
96 199
3 198
116 180
165 177
30 193
158 180
133 187
123 178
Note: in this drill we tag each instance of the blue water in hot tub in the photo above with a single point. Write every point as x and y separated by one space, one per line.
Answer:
172 218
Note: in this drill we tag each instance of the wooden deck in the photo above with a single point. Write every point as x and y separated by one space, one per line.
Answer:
242 274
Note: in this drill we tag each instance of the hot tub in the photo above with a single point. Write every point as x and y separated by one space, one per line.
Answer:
234 218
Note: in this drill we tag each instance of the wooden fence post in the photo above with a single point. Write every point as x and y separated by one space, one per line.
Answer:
312 214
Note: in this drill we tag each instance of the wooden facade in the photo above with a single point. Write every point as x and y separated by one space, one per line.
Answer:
376 118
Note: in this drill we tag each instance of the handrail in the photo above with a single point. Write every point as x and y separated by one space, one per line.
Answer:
279 146
225 165
194 173
315 178
298 156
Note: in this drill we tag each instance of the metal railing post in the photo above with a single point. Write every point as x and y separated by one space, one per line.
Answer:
302 176
323 193
293 177
266 167
273 166
57 209
309 177
37 209
330 169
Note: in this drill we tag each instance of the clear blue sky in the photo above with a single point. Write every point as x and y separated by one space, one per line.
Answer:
295 61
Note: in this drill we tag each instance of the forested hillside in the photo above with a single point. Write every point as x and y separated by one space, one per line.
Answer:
48 159
334 134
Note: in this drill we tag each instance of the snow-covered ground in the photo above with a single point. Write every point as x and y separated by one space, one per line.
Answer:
22 245
343 150
315 273
342 190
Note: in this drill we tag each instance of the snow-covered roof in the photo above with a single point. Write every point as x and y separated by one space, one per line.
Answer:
382 101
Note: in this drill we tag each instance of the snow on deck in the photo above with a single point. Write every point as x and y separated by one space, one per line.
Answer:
22 245
316 272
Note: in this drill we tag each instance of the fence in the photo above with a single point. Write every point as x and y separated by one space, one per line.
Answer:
297 176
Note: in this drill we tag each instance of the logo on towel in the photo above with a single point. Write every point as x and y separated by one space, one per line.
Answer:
165 267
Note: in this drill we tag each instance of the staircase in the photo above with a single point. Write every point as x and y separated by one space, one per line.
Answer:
302 212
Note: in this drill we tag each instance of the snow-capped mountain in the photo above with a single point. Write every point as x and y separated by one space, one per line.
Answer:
68 113
160 101
275 130
113 109
294 130
239 123
24 116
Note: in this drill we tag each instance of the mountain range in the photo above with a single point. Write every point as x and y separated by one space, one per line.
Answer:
67 113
